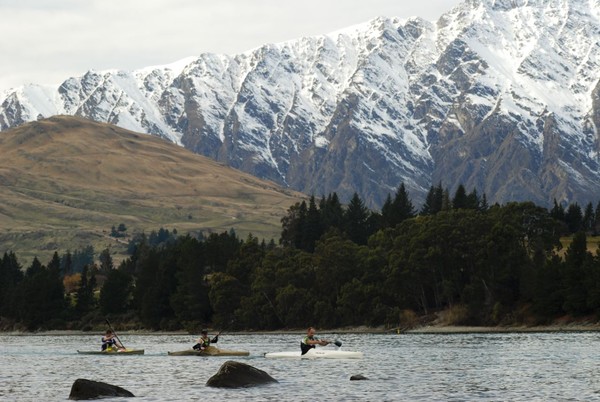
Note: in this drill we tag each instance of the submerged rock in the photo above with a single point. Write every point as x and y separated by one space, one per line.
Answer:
358 377
88 389
235 375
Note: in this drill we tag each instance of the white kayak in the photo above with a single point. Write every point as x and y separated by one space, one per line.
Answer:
316 354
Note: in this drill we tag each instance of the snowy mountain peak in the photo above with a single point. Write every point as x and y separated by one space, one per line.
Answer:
500 95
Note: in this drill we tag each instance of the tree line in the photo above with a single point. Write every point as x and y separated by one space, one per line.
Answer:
334 265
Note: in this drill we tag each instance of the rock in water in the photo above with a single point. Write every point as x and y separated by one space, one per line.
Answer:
358 377
235 375
88 389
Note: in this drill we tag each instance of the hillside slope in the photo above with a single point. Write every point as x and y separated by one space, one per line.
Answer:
65 181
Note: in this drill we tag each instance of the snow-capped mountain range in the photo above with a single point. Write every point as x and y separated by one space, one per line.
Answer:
500 95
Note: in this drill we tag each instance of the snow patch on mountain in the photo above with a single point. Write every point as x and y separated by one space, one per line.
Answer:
491 84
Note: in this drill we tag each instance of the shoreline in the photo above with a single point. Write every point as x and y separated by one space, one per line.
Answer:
450 329
426 329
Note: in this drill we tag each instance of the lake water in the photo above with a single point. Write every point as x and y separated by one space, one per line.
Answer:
407 367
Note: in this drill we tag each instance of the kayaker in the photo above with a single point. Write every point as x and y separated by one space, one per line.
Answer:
109 340
309 342
204 341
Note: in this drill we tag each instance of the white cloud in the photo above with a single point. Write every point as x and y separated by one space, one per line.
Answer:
48 41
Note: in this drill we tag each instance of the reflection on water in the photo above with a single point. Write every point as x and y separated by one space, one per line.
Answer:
516 367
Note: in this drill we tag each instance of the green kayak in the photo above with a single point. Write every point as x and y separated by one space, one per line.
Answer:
210 351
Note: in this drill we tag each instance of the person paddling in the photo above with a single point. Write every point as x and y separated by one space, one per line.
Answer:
309 342
109 340
204 341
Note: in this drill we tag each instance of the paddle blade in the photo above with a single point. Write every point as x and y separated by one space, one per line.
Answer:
338 343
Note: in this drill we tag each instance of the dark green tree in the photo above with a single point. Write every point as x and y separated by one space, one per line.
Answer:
589 219
312 229
116 292
220 248
106 261
460 200
332 212
292 225
398 210
576 259
12 275
433 201
85 294
190 301
42 298
574 218
66 263
83 257
225 296
356 220
557 211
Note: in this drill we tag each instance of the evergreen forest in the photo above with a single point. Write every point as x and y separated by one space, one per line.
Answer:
333 266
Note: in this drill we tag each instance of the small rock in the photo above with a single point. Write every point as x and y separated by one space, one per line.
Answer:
358 377
234 374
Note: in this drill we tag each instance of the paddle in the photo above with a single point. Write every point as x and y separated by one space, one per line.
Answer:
216 336
116 336
222 330
337 343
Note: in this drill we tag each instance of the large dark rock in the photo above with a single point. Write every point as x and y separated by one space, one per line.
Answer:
88 389
235 375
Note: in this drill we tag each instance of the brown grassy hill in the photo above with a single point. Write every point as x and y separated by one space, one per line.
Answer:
65 181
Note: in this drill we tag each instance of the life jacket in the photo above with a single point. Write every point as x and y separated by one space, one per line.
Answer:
108 342
304 346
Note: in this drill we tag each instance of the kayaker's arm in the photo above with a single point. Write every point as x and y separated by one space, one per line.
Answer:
316 342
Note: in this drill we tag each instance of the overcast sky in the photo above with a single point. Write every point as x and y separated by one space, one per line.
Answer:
47 41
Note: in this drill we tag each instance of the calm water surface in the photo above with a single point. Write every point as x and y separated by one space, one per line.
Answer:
457 367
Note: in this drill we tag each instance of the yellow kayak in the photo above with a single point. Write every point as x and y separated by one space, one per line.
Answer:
112 352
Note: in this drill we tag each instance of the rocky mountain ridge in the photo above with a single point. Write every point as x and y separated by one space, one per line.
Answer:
499 95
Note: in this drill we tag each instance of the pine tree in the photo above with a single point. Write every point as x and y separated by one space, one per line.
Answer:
332 212
446 203
106 262
12 276
484 206
312 230
386 212
473 201
292 225
356 220
557 212
85 293
588 218
433 201
54 264
596 227
460 200
115 293
396 211
575 289
574 218
66 263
